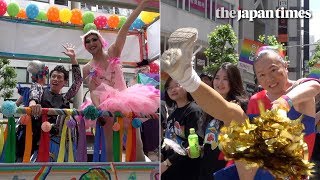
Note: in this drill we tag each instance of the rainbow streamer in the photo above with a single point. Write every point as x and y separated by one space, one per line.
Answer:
70 150
116 143
121 136
28 141
129 144
1 138
10 150
62 148
43 173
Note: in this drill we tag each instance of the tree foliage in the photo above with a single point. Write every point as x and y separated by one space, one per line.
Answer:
272 41
222 44
7 79
315 57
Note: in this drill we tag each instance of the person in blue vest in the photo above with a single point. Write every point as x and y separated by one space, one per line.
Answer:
297 97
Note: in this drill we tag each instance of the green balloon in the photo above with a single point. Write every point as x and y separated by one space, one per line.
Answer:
88 17
122 20
42 16
13 9
88 27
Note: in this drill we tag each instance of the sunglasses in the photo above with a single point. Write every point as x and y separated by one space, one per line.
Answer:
92 40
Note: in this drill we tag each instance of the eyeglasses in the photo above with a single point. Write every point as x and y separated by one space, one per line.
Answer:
92 40
172 87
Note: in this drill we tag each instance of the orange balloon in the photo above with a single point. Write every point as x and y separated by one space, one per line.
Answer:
76 17
53 14
113 21
22 14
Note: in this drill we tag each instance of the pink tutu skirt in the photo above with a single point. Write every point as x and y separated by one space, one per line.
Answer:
138 98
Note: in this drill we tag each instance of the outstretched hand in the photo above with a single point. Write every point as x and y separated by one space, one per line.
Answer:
69 51
177 60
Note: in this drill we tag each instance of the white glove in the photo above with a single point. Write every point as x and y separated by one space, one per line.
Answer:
176 61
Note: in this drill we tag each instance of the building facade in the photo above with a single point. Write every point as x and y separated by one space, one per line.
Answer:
199 14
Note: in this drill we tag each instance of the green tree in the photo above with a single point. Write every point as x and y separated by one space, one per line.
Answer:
315 57
222 44
272 41
7 79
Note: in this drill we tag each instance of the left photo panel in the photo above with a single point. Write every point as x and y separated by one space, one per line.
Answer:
79 89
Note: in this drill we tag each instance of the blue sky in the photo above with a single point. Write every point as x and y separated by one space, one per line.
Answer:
314 21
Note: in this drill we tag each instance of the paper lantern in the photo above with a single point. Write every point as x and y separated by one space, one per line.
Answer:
113 21
88 17
122 20
65 15
137 24
100 22
154 68
22 14
148 17
32 11
53 14
42 16
13 9
3 7
88 27
76 17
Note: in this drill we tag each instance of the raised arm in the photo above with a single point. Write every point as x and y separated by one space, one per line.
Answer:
214 104
76 73
304 92
116 48
176 61
300 97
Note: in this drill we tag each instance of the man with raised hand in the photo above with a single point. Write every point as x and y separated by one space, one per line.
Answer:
297 97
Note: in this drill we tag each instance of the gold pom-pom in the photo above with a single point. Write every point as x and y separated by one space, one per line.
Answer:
272 141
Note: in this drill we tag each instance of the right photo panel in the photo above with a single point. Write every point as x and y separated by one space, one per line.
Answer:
240 89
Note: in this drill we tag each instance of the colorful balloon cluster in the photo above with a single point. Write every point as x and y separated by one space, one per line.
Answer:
75 16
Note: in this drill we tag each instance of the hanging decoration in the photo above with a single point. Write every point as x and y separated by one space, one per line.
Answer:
3 7
32 11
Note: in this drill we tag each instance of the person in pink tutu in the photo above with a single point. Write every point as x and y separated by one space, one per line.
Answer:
107 86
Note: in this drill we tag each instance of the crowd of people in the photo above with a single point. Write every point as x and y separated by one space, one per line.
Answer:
216 101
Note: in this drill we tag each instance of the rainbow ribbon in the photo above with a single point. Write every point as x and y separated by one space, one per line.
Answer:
43 173
10 150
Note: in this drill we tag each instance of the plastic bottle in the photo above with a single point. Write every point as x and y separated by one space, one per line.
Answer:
193 144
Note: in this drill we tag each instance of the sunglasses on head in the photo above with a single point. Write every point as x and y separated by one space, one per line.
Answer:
91 40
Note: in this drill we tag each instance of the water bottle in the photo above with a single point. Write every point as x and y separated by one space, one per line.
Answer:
193 144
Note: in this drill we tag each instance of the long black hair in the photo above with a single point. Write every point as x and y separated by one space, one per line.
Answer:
236 94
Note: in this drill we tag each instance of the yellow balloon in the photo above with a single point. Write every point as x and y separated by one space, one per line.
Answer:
148 17
65 15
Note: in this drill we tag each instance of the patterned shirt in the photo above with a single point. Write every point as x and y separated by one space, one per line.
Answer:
36 91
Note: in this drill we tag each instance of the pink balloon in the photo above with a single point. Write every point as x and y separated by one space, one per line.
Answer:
3 7
154 68
100 22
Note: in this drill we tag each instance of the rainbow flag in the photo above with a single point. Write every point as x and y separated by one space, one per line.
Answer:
248 50
314 73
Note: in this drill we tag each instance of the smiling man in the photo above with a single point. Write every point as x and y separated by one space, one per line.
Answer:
54 98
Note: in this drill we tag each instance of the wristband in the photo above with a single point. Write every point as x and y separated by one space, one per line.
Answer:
191 84
289 101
